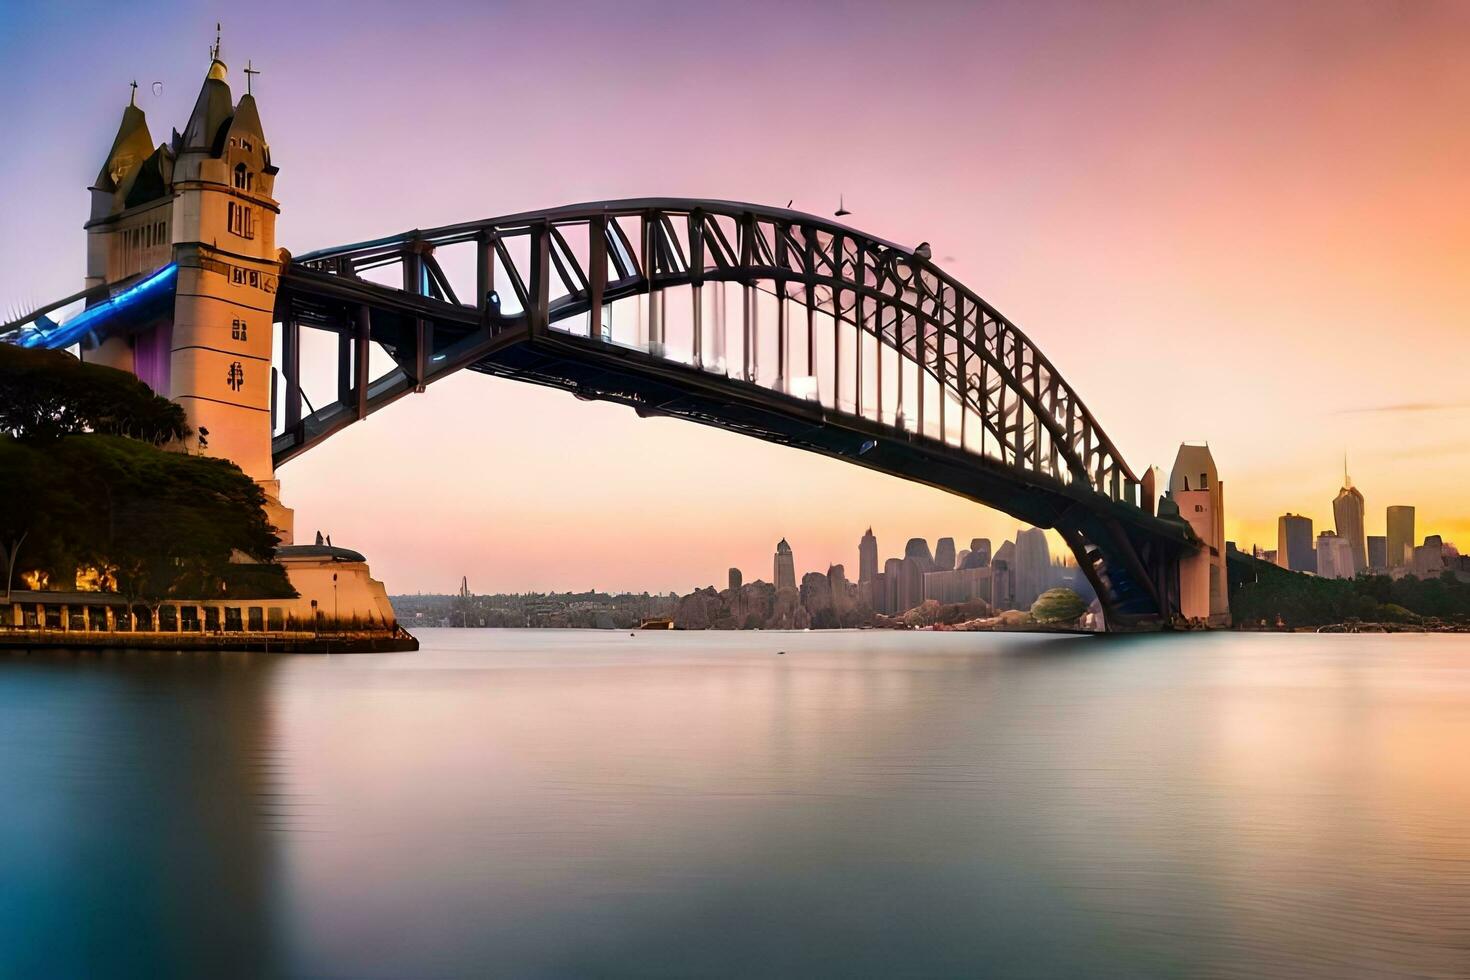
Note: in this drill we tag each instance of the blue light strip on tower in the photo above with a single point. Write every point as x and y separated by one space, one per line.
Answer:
92 317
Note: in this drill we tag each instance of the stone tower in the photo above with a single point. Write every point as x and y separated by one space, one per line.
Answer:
200 207
1195 487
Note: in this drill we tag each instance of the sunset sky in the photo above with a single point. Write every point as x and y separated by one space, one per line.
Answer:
1241 223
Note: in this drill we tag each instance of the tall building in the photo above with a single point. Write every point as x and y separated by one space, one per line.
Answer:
1032 567
959 585
979 555
1400 536
842 590
867 558
785 570
944 555
918 550
1195 487
1377 552
1334 556
201 205
910 584
892 586
1347 509
1428 558
1294 543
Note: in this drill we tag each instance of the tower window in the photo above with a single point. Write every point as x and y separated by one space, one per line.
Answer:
241 220
241 176
237 330
1204 482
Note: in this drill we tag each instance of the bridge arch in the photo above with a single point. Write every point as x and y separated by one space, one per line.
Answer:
536 296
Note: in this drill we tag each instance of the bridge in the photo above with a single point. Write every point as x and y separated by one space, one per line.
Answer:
769 322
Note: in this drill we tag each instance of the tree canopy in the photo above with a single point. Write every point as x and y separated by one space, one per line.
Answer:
84 482
1264 593
47 394
1055 606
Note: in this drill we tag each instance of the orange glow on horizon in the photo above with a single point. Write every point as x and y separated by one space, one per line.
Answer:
1247 224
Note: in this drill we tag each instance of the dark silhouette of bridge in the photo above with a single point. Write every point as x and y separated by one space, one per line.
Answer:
764 321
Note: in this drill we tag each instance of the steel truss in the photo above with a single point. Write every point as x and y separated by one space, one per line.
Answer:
767 321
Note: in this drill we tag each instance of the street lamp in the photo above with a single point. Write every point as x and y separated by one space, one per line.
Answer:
336 617
315 623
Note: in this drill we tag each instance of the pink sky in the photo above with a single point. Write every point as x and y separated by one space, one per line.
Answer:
1241 223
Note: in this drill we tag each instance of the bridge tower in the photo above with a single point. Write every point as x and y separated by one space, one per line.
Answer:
1195 489
203 202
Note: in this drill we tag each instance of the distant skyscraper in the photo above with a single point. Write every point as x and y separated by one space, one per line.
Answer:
918 550
979 555
841 590
785 573
1377 552
1294 543
735 580
1334 556
1428 560
1032 568
1002 576
944 555
911 583
1347 508
867 558
892 583
1400 536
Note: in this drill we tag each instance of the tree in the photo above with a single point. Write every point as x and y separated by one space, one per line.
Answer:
40 509
83 481
1057 607
47 394
168 523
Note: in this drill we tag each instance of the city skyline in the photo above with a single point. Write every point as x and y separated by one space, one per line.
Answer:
1260 193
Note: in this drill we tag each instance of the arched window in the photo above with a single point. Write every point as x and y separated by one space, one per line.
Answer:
242 177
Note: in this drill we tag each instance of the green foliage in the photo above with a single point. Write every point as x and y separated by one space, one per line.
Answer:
46 394
1393 613
1057 606
167 523
1305 600
83 482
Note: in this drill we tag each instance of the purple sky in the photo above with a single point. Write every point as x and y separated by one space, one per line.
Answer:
1246 223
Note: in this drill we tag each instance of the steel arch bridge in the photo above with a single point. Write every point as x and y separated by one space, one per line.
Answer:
765 321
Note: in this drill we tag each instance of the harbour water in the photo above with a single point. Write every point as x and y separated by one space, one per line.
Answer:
560 803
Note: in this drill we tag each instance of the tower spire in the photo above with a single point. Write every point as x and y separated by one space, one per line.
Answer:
214 51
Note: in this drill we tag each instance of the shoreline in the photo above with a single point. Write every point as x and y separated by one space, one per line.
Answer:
26 641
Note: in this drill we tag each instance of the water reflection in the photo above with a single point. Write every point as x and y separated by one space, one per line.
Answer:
140 795
520 803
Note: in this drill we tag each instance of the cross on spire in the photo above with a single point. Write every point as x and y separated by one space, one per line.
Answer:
214 51
249 70
133 95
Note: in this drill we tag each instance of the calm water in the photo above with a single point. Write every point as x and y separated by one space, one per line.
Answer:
568 803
